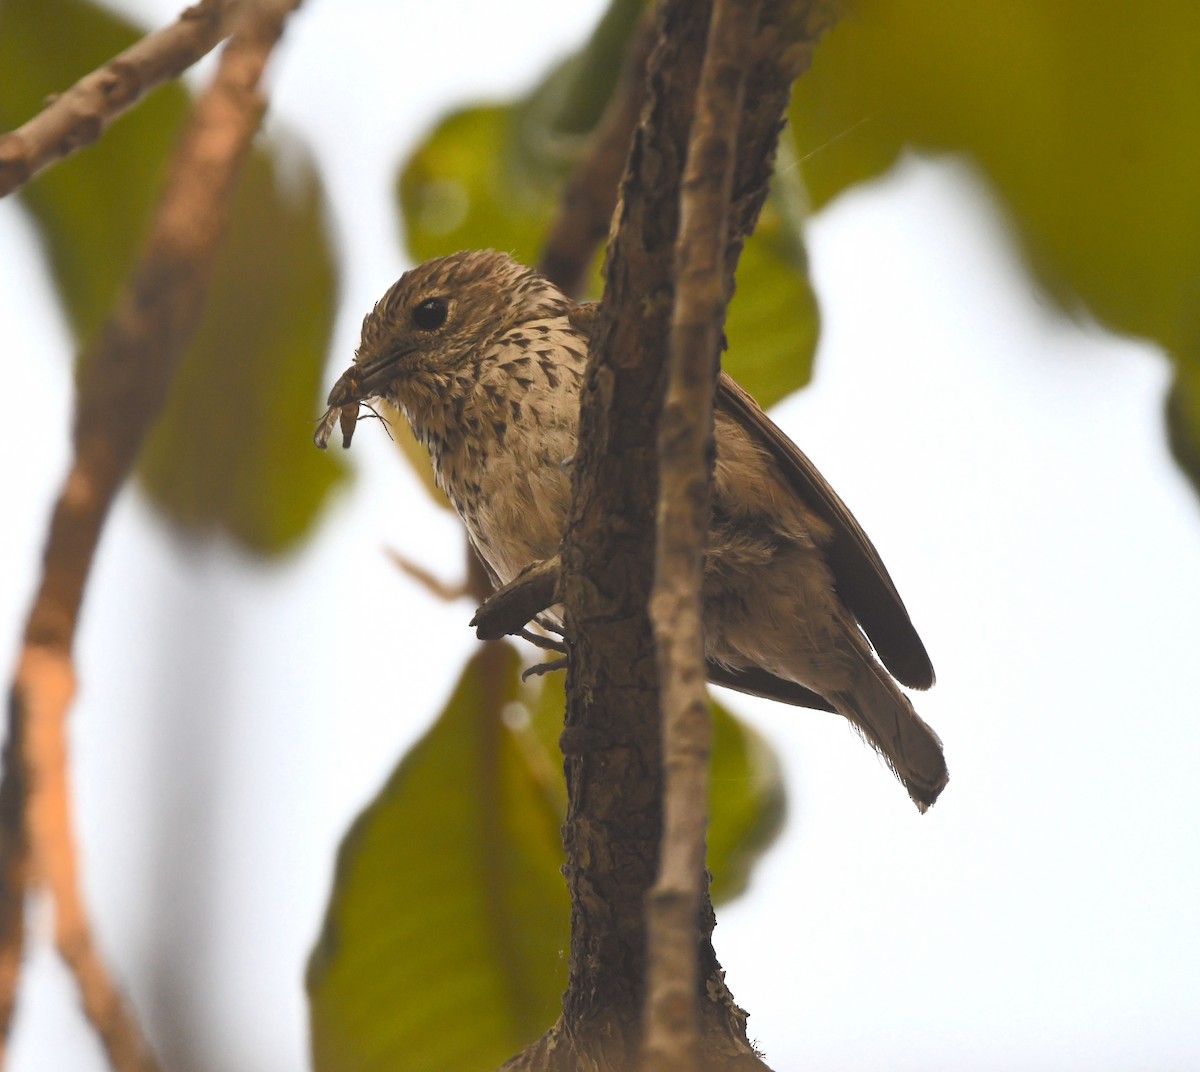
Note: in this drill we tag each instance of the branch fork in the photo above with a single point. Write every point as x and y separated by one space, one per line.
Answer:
513 606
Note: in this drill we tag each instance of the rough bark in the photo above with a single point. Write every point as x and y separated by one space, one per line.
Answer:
612 741
686 450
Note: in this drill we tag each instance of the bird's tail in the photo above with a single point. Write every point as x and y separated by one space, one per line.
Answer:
877 707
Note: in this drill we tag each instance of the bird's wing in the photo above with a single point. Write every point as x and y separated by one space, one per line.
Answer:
754 681
860 576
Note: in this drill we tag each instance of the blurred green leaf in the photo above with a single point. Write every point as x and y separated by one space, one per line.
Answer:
91 209
1084 116
485 178
546 701
232 450
773 322
444 943
445 938
747 798
589 77
747 803
489 177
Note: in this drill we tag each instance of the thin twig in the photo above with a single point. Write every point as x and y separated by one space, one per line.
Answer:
121 394
671 1042
80 115
443 591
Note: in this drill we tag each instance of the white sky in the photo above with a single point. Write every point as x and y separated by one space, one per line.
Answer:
1011 467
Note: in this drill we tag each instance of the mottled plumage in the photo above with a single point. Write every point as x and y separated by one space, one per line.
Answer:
485 358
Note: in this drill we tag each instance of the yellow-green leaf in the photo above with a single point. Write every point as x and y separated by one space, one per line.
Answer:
232 450
489 176
485 178
90 209
445 938
1083 114
773 320
444 944
747 798
747 803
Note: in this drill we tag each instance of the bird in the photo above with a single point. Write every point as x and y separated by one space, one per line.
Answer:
485 358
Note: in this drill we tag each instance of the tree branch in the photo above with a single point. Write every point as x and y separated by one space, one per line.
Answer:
686 450
14 872
611 737
513 605
122 390
80 115
611 741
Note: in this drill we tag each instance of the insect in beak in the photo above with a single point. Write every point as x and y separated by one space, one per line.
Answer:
344 401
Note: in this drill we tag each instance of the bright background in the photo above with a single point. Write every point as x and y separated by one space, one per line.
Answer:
1010 465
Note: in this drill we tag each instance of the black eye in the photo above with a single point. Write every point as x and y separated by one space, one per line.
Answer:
430 314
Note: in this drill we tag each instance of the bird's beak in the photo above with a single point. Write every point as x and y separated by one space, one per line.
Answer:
358 384
361 382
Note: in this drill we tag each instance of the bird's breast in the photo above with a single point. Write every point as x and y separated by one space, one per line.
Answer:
506 467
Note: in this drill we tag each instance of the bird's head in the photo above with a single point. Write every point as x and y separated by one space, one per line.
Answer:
426 335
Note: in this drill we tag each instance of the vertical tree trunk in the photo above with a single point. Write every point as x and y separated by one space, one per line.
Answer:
612 737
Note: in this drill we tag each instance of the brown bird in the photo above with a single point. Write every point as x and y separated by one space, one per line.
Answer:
486 359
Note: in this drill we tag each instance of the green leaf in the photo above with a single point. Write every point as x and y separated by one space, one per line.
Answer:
489 176
747 798
589 78
747 803
444 942
91 209
773 322
485 178
1085 118
232 450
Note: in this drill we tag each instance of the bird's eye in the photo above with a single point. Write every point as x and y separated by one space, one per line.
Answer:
430 314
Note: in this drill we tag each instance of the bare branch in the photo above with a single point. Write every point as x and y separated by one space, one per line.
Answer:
443 591
121 394
509 608
685 445
79 116
14 872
